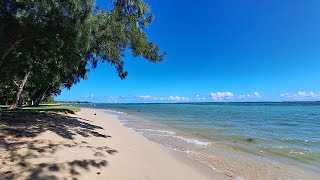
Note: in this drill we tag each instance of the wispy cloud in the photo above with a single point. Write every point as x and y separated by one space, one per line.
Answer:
301 95
113 99
286 95
221 95
163 99
254 95
145 97
200 98
88 96
105 99
307 94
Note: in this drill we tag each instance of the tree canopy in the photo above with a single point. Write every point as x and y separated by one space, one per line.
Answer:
49 45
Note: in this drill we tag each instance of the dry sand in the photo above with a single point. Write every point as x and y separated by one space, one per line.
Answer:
88 145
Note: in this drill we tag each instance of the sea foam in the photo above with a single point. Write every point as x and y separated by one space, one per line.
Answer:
114 111
157 131
194 141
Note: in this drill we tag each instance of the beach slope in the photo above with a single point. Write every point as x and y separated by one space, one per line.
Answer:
87 145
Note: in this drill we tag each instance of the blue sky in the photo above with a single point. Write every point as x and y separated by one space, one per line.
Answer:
219 50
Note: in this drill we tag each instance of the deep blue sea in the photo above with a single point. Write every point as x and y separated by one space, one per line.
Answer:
243 140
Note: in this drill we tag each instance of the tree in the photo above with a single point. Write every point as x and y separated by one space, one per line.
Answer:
55 43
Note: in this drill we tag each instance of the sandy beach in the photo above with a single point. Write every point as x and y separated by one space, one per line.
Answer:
142 90
88 145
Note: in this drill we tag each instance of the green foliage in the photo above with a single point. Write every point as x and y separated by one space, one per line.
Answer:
48 100
59 42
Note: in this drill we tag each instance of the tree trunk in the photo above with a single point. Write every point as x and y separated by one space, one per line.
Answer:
19 91
39 96
20 102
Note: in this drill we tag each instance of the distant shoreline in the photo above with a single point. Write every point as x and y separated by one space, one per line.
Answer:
73 102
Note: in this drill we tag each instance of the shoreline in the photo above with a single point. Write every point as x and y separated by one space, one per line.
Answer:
232 163
96 144
197 168
89 144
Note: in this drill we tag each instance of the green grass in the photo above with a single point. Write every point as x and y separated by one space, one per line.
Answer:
43 108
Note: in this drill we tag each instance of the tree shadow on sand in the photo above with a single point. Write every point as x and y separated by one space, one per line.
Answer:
17 147
30 124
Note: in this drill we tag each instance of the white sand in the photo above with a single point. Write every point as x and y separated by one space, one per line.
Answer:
126 155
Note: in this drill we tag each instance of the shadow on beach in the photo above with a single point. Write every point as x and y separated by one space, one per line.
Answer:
41 108
18 147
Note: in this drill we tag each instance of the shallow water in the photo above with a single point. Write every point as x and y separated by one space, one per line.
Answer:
243 140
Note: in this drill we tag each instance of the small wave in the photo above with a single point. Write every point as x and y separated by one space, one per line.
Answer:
300 154
122 121
157 131
114 111
297 152
163 135
194 141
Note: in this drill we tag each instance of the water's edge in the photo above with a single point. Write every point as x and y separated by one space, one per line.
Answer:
243 141
219 163
182 156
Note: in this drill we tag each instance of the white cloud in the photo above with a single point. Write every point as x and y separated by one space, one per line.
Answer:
178 98
286 95
254 95
116 99
103 99
147 97
301 95
111 97
163 99
306 94
221 95
89 96
200 98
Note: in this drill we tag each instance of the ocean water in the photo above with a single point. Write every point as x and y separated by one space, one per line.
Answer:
242 140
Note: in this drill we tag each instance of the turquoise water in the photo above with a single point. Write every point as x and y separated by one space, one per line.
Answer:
286 134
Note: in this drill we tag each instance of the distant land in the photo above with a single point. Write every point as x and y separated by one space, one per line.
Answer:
74 102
